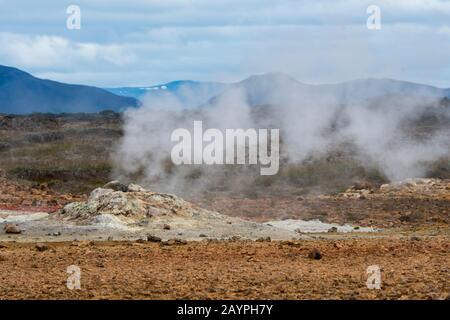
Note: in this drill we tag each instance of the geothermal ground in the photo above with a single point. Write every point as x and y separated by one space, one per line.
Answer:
134 243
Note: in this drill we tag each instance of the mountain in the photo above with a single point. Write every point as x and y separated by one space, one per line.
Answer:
278 88
22 93
189 93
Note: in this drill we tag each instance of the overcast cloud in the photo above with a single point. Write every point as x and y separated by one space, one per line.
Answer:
142 42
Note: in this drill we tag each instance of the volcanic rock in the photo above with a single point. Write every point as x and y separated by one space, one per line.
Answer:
41 247
151 238
12 228
315 254
116 186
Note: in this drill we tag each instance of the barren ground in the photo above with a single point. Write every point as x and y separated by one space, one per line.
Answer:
415 268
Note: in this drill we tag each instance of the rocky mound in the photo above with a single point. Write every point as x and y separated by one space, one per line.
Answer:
132 208
132 201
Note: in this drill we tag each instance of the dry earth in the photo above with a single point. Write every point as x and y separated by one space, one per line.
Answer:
416 268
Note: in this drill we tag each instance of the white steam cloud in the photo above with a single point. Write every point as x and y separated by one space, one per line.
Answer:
386 130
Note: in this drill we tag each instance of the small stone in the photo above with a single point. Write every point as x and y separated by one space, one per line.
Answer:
337 245
12 228
166 227
41 247
173 242
135 188
264 239
87 243
116 186
333 229
202 235
151 238
315 254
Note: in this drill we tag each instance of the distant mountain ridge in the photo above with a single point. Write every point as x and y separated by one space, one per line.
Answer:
190 93
276 88
22 93
272 88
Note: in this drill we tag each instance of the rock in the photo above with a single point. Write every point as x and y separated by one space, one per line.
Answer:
264 239
152 211
337 245
137 205
116 186
151 238
202 235
362 185
333 230
104 201
166 227
12 229
173 242
135 188
27 202
41 247
315 254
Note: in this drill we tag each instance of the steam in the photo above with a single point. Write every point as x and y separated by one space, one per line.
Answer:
385 131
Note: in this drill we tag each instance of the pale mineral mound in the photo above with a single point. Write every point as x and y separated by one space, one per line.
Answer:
133 208
132 201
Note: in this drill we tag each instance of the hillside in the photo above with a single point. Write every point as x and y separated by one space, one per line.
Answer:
22 93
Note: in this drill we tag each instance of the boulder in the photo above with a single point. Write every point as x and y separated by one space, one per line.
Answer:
12 229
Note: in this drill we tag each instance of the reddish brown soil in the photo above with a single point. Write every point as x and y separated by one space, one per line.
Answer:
410 268
23 196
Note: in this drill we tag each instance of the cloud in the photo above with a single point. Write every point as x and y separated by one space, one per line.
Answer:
139 42
44 51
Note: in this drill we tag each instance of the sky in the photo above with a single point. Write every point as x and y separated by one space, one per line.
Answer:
149 42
